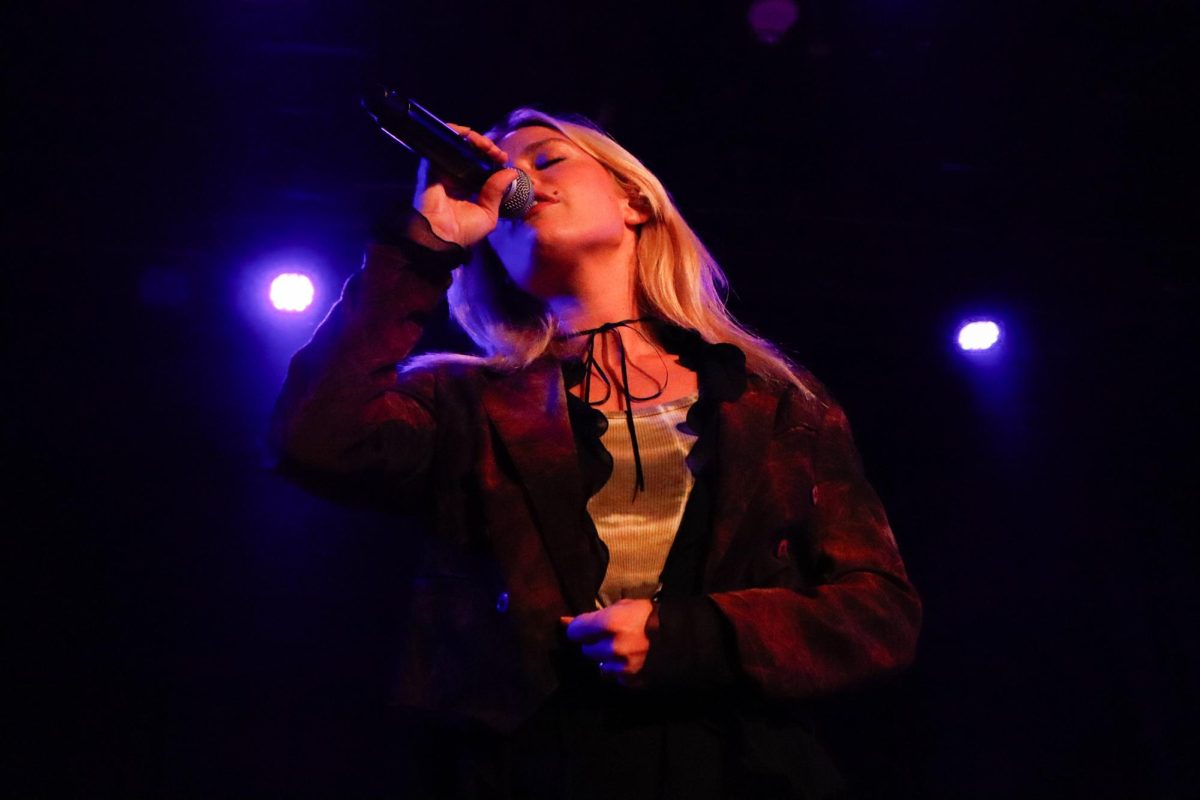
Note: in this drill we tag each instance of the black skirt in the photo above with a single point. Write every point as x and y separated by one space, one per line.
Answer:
594 740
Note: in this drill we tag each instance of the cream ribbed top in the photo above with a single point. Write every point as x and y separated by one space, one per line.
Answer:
639 527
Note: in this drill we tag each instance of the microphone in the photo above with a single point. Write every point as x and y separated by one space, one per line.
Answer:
424 134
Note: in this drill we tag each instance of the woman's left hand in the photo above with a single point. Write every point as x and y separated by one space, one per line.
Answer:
614 638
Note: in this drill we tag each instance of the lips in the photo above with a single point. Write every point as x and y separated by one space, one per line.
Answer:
540 202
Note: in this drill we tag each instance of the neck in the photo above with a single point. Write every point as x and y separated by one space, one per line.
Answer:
596 288
575 313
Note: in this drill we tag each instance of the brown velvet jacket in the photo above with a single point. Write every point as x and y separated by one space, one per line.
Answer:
798 586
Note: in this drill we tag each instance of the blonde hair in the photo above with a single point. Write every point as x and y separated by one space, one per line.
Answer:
677 279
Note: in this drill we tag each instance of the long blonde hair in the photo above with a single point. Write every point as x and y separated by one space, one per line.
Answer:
677 279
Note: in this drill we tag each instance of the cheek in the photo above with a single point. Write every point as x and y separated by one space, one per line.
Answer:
607 206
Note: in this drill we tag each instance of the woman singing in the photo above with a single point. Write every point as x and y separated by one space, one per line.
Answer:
650 538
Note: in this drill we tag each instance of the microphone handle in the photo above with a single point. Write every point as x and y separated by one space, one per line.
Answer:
418 130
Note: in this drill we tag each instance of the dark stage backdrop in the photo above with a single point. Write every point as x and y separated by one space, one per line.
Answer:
187 625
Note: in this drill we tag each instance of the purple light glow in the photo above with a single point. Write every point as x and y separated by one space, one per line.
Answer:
978 335
771 19
292 292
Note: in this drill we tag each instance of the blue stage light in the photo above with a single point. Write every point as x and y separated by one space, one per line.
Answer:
292 292
979 335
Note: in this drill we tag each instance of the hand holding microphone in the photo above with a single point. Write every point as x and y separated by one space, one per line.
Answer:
463 162
452 214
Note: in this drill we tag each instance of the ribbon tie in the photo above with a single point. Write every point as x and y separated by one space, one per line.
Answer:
590 365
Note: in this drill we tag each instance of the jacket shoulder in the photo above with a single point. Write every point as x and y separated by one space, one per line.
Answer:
803 401
444 369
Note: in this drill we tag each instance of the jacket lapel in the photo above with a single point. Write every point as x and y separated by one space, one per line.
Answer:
528 409
744 432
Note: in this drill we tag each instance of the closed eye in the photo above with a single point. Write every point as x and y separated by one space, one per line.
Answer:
550 162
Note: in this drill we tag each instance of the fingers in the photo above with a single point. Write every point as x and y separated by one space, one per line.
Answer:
588 627
492 193
624 616
489 148
436 196
613 638
602 652
625 671
426 176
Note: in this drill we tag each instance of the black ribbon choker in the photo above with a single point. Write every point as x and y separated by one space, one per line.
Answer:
590 365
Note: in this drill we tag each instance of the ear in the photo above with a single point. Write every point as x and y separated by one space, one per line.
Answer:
637 209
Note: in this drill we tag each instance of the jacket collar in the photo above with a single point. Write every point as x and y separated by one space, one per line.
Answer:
744 412
528 409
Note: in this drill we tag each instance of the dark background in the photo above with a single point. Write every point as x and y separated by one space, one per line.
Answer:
186 624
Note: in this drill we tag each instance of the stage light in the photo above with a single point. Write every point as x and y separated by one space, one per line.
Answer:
771 19
292 292
978 335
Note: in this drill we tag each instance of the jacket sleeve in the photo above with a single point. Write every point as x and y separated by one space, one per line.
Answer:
345 423
861 616
858 619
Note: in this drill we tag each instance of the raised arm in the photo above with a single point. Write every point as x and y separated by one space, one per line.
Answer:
344 416
345 421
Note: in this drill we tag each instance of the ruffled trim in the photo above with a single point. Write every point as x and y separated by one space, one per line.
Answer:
721 376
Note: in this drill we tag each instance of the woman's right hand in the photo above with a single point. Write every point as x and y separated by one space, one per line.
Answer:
453 215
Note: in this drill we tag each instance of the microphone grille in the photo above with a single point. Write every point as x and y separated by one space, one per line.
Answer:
518 197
